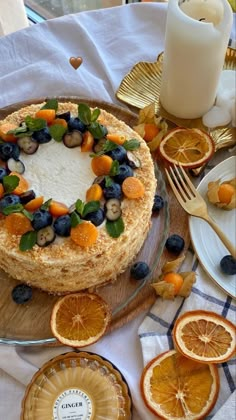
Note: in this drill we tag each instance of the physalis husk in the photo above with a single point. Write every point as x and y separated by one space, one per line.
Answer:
167 290
222 194
147 116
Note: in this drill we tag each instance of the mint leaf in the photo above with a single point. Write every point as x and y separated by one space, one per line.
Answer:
14 208
114 168
131 144
10 182
116 228
108 181
79 205
57 132
96 130
35 124
28 240
75 219
90 207
46 205
27 214
84 113
109 146
95 114
51 104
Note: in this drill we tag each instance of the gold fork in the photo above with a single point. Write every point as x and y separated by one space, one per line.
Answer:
193 203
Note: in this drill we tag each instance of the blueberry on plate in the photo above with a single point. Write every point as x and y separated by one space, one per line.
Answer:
228 265
9 200
42 136
76 124
41 219
65 116
28 145
113 191
124 172
96 217
139 270
9 150
175 244
22 293
119 154
62 225
73 139
27 196
3 172
158 203
45 236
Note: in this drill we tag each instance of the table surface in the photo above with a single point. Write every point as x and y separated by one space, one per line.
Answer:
35 63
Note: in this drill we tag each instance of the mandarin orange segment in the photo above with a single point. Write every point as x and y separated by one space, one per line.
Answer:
58 209
59 121
80 319
133 188
4 135
116 138
88 142
84 234
47 114
225 193
34 204
101 165
17 224
94 193
205 336
175 387
151 131
23 185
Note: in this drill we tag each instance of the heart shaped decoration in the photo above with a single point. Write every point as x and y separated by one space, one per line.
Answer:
76 62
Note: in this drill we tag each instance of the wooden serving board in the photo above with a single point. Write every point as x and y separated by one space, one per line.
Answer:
30 323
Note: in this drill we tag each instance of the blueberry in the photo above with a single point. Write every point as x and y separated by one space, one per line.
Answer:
139 270
96 217
41 219
228 265
9 150
133 161
45 236
76 124
62 225
21 293
3 172
124 172
42 136
158 203
100 180
64 116
175 244
113 191
9 200
27 196
119 154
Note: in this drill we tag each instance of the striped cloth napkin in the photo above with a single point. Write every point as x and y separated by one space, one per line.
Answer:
155 332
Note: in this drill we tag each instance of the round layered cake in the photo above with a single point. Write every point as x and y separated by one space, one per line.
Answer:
74 237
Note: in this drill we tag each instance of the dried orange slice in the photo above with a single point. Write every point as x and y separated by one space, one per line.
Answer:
174 387
80 319
189 147
205 336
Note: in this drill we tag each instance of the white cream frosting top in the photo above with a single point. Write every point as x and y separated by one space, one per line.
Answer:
57 172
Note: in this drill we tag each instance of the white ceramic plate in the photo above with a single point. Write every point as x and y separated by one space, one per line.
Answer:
208 246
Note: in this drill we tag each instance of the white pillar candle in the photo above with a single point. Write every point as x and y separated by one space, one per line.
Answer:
197 35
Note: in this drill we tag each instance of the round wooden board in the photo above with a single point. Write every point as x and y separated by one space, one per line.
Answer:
30 323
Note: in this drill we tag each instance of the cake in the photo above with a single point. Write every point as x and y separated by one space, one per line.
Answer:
65 175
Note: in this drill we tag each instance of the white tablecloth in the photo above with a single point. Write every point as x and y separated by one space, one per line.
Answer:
35 63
